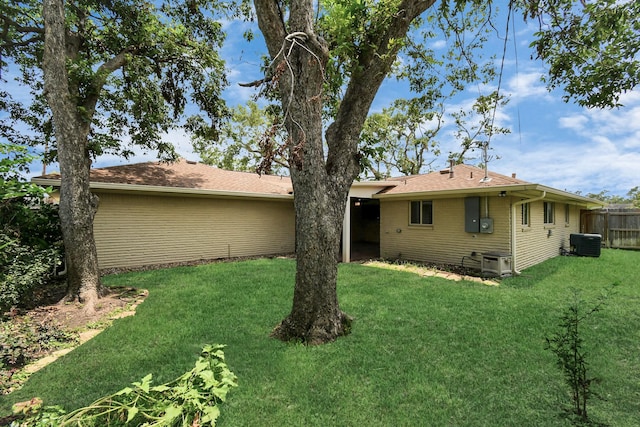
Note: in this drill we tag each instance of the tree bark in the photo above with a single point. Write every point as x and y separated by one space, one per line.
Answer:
319 199
77 204
321 183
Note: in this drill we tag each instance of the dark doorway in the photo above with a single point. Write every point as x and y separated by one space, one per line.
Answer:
365 229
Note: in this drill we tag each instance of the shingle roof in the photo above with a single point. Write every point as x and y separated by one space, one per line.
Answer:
463 177
191 175
188 177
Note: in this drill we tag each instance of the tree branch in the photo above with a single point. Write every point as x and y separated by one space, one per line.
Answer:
375 61
256 83
11 44
101 76
271 24
18 28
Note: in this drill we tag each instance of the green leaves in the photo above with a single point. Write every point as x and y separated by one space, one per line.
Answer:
132 67
402 137
191 399
592 49
251 140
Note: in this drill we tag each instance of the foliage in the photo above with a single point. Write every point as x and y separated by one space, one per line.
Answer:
400 138
478 134
23 269
133 66
591 47
14 159
30 236
250 141
632 197
568 346
21 342
189 400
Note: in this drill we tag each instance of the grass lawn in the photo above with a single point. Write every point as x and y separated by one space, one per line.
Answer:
424 350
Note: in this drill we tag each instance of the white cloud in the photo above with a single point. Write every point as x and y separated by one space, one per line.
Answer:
578 164
574 122
525 85
438 44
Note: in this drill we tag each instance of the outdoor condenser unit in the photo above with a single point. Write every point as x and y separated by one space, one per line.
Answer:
496 263
585 244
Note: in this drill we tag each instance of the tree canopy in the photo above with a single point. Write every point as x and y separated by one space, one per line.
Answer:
106 77
133 67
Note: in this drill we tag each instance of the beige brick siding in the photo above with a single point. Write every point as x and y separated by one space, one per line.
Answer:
137 230
445 241
539 241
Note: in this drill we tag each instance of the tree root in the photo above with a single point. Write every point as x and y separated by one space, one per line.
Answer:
322 330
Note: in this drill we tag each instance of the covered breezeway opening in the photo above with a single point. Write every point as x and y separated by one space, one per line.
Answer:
362 230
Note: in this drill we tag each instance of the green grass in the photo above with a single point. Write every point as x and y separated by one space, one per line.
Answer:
424 351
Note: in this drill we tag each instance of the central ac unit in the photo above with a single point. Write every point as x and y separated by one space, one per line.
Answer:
585 244
496 263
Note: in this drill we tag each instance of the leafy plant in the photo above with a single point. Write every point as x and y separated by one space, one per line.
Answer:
21 342
568 346
23 269
30 235
190 400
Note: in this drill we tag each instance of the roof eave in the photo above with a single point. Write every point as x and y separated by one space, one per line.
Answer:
523 190
177 191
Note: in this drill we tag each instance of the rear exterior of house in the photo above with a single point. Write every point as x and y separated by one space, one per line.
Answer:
157 213
446 241
457 215
549 227
133 230
160 213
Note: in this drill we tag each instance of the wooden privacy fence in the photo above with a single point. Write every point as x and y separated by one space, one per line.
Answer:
619 229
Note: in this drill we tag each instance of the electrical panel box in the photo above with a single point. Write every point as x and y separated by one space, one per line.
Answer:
486 225
472 214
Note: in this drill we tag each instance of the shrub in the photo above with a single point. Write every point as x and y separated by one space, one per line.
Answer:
22 341
31 243
567 343
23 269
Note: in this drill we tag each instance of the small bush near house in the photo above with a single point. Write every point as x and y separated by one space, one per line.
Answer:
30 234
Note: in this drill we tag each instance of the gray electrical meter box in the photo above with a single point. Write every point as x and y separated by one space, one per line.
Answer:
486 225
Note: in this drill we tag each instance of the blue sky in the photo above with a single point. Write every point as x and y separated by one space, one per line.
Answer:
553 143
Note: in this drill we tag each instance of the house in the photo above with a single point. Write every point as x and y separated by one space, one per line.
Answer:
463 212
158 213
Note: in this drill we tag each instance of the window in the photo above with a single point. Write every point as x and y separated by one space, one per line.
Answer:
567 213
421 212
525 214
549 210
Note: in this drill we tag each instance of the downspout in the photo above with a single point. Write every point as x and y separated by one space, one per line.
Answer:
513 228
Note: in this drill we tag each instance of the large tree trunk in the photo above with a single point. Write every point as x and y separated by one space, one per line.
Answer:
318 197
321 182
77 204
315 316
